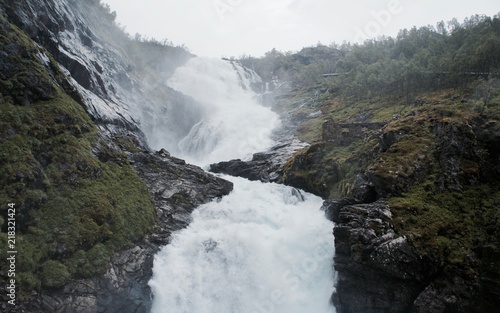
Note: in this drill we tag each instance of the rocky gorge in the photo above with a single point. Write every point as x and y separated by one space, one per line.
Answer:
57 61
412 189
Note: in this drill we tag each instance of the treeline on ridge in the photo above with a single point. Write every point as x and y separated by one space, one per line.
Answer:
420 59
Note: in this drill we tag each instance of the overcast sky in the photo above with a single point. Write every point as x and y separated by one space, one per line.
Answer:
235 27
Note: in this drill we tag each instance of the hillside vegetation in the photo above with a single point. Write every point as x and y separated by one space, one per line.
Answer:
414 120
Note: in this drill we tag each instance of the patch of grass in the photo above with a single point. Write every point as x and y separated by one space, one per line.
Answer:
447 225
311 130
327 169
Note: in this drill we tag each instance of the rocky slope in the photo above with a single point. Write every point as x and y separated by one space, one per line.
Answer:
418 229
94 202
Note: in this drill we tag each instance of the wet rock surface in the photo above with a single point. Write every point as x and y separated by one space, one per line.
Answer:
70 54
177 187
378 271
264 166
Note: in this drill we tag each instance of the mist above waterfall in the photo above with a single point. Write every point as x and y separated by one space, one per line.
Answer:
233 123
263 248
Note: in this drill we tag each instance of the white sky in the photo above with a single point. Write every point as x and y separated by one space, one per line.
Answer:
228 28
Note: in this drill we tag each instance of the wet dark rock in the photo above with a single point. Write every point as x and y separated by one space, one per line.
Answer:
458 143
177 187
264 166
332 207
378 271
252 170
363 190
449 295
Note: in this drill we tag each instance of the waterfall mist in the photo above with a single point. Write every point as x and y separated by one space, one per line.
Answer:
263 248
233 124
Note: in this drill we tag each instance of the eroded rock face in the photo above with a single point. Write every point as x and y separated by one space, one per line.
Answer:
381 271
177 187
252 170
74 52
378 271
264 166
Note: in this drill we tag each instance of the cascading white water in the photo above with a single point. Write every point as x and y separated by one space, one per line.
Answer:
263 248
234 124
259 250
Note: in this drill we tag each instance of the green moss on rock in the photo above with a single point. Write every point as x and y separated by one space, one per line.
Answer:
327 169
77 198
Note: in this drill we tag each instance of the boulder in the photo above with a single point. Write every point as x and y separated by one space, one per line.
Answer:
378 270
264 166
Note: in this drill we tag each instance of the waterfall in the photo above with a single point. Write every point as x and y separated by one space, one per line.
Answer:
263 248
234 124
259 250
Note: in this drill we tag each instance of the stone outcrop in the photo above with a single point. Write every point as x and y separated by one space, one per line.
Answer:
378 270
381 270
264 166
416 233
177 187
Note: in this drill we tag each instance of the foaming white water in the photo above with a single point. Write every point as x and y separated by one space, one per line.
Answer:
234 124
260 249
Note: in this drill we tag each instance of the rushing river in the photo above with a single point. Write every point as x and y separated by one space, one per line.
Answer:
264 248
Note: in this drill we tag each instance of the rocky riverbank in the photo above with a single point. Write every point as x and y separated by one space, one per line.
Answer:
177 188
418 231
95 203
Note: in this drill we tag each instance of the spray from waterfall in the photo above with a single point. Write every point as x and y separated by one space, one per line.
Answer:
234 124
262 249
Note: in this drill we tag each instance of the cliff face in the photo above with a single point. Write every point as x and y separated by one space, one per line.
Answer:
78 100
120 81
418 230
